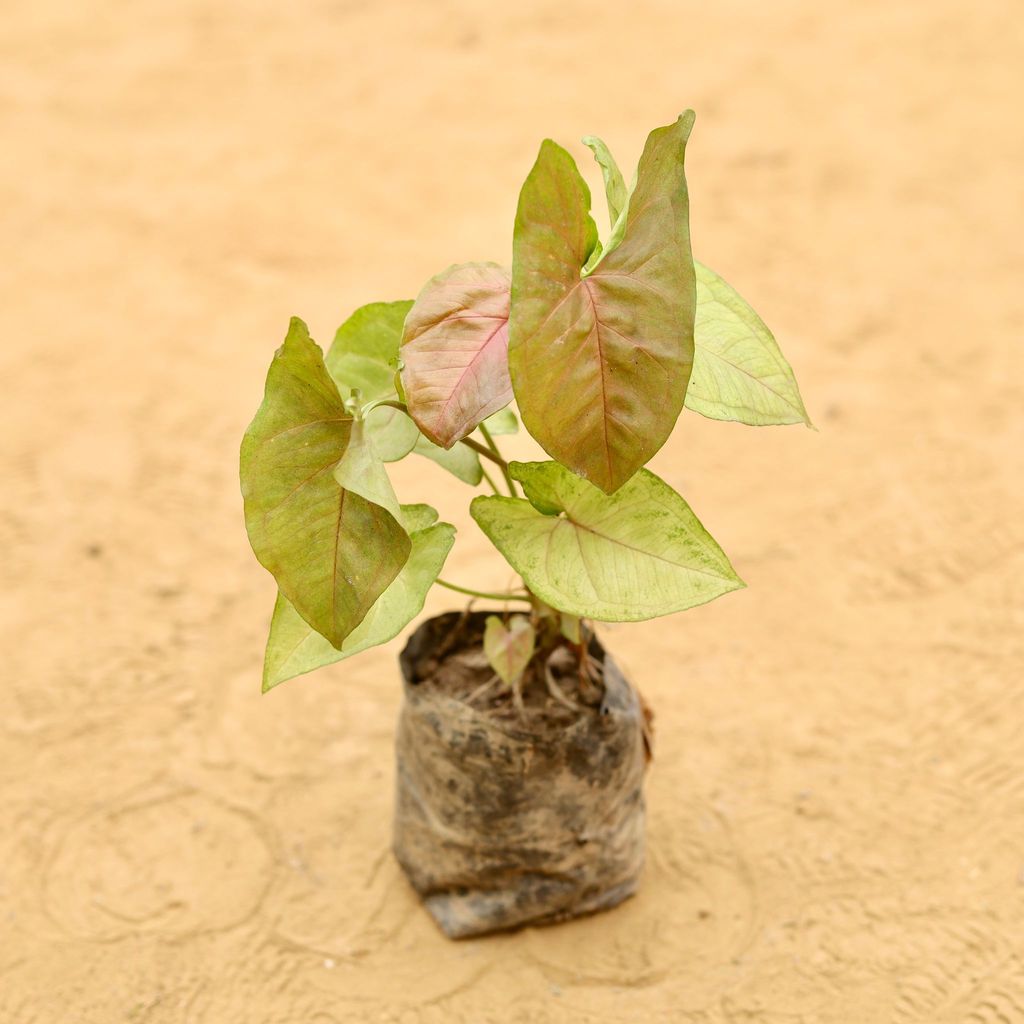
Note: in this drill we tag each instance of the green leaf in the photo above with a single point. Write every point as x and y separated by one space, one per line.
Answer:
393 433
502 422
418 517
455 351
617 196
739 372
461 460
509 648
332 550
362 472
364 353
633 555
614 184
294 648
599 364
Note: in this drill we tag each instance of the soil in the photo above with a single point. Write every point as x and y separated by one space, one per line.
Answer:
514 812
835 811
454 665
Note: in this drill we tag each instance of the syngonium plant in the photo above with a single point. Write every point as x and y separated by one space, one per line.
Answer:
600 344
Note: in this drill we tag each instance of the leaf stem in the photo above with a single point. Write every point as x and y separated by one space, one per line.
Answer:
487 453
504 465
482 593
490 480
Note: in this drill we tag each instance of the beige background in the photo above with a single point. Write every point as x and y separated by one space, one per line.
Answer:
837 805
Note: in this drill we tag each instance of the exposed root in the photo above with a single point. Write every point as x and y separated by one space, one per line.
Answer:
481 690
556 692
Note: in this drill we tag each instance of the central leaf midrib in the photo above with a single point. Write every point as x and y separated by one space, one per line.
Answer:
640 551
756 380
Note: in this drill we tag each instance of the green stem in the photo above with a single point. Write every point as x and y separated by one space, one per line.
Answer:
497 455
490 480
482 593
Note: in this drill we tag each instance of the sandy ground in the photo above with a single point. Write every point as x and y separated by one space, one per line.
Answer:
837 807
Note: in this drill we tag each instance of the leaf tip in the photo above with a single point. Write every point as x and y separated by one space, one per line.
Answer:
297 330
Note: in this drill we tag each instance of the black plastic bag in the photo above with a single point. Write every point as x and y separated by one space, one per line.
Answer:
502 821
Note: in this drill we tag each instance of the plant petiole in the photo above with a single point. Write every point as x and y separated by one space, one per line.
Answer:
501 462
490 481
483 593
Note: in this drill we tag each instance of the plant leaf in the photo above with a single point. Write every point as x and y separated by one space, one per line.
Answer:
599 364
502 422
614 185
617 196
393 433
455 351
293 648
332 550
364 353
509 648
460 460
739 372
362 472
633 555
418 517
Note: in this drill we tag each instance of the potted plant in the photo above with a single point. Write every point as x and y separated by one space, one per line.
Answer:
521 747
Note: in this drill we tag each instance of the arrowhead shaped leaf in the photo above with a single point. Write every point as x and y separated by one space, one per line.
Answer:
455 351
633 555
599 364
739 372
294 648
331 550
509 648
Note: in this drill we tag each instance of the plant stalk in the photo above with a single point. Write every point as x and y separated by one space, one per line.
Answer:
482 593
490 480
504 465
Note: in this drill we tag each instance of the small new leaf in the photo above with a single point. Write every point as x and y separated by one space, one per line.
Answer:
455 351
509 648
614 185
637 554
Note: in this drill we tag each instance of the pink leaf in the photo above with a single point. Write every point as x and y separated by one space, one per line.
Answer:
455 351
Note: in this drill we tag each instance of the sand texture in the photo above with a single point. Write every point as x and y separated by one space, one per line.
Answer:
836 809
